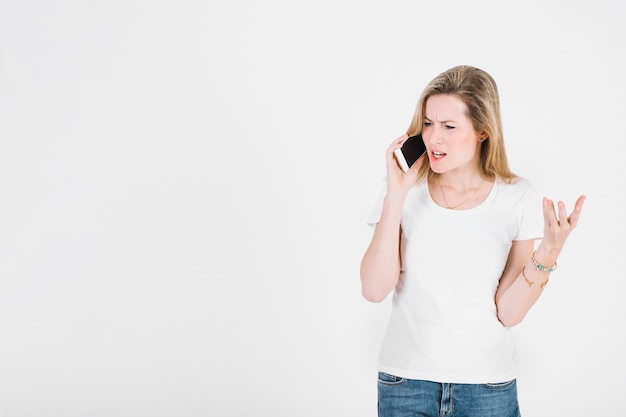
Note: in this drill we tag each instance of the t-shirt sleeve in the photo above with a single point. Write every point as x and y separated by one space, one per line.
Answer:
531 224
377 209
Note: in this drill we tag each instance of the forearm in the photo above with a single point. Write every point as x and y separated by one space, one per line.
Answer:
517 299
380 266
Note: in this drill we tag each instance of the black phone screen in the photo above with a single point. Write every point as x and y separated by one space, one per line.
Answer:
413 148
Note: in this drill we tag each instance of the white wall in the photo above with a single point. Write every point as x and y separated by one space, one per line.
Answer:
184 185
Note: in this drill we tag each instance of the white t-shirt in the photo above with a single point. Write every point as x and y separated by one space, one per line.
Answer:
443 325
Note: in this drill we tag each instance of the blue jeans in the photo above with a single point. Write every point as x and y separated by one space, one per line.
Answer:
401 397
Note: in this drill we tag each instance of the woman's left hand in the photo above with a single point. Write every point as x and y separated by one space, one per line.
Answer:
557 229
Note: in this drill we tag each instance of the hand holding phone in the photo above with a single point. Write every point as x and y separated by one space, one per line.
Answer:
411 150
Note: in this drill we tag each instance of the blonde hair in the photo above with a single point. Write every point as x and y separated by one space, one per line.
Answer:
479 92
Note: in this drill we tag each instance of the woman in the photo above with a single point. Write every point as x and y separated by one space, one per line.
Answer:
454 239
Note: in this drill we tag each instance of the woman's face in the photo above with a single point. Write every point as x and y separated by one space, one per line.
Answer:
450 138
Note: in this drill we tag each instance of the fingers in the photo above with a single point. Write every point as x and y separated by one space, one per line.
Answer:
562 212
578 207
394 172
397 143
550 213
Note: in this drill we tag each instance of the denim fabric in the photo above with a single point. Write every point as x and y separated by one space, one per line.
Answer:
401 397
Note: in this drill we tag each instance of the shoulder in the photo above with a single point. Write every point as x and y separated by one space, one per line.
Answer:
516 190
417 200
517 185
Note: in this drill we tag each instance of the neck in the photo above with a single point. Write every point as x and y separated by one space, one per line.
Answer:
459 182
461 194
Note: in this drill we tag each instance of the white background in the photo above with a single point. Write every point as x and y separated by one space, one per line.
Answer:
184 187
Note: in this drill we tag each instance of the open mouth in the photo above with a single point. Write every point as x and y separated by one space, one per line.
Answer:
438 155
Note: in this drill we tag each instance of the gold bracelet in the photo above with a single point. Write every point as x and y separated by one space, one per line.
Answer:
532 283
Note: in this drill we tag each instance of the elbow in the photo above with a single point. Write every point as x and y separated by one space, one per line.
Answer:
509 312
509 322
511 319
377 283
372 289
373 296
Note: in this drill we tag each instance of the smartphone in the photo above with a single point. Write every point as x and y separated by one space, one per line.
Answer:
410 152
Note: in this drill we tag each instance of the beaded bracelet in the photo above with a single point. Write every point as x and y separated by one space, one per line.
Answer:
532 283
541 267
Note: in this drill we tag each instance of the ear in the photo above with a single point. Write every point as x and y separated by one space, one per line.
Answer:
483 136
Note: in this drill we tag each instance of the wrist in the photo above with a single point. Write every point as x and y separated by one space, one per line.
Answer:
547 253
396 195
543 261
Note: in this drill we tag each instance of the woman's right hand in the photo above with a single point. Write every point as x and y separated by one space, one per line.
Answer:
398 180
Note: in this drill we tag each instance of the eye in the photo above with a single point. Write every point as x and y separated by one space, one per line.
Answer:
427 123
449 127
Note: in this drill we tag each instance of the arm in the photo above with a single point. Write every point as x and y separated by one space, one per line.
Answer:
521 283
380 266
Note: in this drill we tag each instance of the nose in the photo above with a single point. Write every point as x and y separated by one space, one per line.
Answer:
434 135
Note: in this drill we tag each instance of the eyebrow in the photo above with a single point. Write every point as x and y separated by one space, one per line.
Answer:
442 121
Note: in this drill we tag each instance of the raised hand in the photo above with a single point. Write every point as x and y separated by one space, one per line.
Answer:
396 178
556 229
